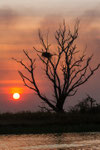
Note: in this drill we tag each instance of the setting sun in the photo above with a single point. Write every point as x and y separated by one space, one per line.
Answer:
16 96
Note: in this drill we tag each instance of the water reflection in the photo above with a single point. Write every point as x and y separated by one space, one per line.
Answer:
88 141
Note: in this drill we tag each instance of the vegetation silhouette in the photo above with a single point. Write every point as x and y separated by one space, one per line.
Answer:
87 105
31 122
66 69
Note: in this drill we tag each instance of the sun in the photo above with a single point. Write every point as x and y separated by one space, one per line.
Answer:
16 96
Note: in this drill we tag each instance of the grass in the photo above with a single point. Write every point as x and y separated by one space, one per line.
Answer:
34 123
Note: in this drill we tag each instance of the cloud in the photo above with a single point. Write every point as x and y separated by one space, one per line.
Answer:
51 21
90 31
91 16
95 13
7 16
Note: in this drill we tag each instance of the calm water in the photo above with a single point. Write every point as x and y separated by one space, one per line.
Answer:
86 141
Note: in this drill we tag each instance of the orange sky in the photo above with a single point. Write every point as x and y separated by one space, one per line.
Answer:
19 24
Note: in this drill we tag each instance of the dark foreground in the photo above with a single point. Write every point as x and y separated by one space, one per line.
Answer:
38 123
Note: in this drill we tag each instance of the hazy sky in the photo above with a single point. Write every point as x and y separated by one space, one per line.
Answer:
19 24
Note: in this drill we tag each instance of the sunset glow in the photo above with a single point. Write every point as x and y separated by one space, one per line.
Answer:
15 90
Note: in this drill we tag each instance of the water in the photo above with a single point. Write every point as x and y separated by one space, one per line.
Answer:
82 141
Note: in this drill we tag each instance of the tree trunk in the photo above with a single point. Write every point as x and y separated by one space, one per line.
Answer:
59 106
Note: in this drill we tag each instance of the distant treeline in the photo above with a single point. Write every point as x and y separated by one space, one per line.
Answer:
87 105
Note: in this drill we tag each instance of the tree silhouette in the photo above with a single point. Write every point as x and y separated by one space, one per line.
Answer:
65 68
87 104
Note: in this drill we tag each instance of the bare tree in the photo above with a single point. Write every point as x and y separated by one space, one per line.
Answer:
65 68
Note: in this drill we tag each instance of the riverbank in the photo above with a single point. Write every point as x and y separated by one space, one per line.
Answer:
38 123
